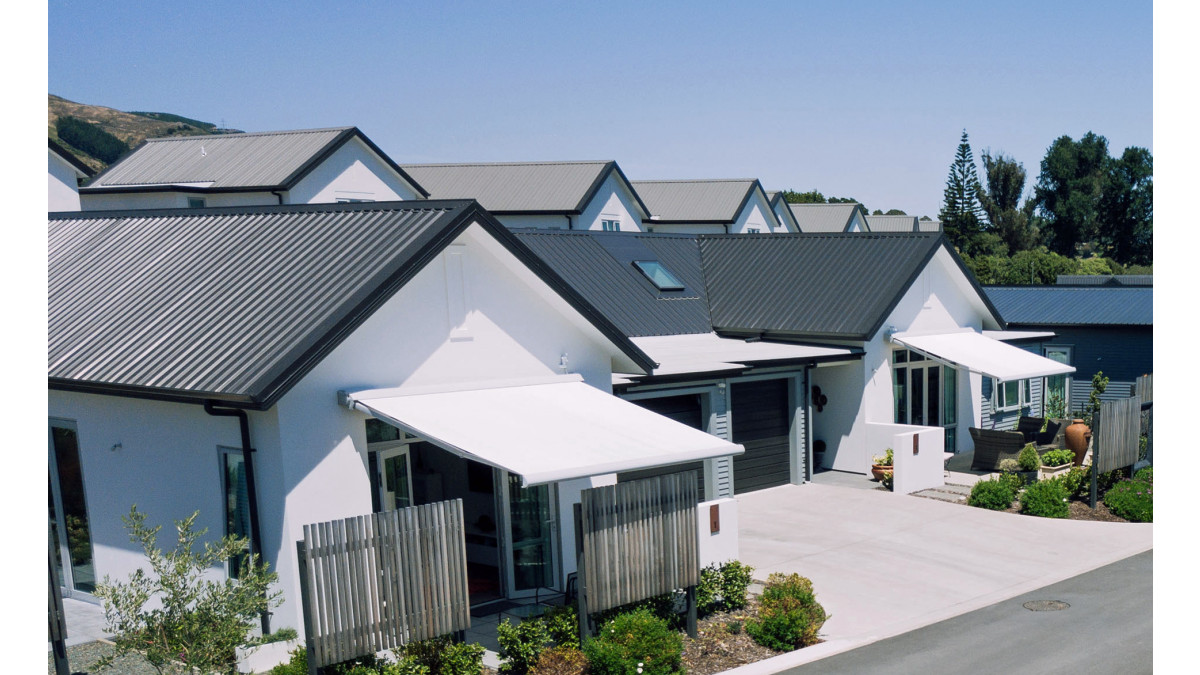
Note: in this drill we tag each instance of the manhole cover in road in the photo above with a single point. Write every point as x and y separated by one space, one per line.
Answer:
1045 605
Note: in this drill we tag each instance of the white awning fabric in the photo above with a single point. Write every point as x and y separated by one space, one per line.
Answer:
545 430
982 354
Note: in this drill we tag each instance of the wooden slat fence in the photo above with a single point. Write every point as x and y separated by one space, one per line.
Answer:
1116 442
1143 388
639 540
376 582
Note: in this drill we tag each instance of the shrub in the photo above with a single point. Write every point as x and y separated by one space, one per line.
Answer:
1047 498
1146 474
635 642
723 587
1074 481
1013 481
1058 458
667 607
888 479
560 661
1009 465
562 623
297 665
197 622
1028 460
442 656
281 635
996 495
1132 499
521 645
789 616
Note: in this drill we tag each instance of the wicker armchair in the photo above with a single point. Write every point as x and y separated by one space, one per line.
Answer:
992 446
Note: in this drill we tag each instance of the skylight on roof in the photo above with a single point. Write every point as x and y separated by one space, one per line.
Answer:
659 275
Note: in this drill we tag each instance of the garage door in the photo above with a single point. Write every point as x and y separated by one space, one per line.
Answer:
761 421
685 410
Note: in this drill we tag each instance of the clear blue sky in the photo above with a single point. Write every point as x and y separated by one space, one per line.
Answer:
862 99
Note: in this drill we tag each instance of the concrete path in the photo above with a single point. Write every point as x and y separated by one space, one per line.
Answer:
883 564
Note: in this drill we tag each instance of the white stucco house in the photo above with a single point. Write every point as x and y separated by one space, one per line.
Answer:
582 195
306 166
824 218
282 365
65 173
719 206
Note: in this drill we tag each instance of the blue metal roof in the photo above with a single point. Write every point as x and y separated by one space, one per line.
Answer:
1074 306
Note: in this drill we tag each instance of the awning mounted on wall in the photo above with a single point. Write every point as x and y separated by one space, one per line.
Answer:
545 429
982 354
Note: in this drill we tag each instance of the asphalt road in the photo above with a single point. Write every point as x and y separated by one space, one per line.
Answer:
1107 629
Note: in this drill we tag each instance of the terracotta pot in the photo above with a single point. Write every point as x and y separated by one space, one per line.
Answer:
877 470
1078 435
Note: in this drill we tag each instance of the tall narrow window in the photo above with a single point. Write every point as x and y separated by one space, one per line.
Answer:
69 520
237 504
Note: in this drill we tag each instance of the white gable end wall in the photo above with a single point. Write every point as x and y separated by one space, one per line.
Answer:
755 215
612 199
785 220
63 191
433 331
940 300
353 171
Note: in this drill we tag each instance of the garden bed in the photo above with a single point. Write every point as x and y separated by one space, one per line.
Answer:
1079 511
722 642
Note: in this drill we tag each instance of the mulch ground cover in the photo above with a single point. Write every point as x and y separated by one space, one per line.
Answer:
722 642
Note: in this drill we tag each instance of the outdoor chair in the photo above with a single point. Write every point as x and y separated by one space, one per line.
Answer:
992 446
1031 429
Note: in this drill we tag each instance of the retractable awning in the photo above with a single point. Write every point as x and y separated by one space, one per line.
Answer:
545 429
982 354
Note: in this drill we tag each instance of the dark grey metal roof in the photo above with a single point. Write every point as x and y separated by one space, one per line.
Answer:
892 224
822 218
696 201
599 266
519 187
1105 279
237 304
823 286
1074 306
273 160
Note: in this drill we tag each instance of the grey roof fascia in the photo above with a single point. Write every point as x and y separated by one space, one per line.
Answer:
71 159
628 186
746 199
337 142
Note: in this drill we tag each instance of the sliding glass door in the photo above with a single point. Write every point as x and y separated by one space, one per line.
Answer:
532 524
70 528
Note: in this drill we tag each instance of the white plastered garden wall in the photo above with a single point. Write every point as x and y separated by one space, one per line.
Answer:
941 299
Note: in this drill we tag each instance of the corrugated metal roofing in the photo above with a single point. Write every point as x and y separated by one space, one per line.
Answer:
1106 279
1074 306
514 186
892 224
823 218
598 265
265 159
225 301
831 285
929 225
680 201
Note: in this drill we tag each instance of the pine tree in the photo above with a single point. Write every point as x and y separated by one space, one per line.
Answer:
961 212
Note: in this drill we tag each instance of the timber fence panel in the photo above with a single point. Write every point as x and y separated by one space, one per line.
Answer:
1143 388
639 539
377 582
1118 437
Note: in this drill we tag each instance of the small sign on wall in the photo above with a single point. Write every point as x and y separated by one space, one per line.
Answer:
714 519
916 443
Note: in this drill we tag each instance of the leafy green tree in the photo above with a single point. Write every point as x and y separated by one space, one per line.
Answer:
90 138
1001 201
196 621
1126 211
810 197
895 212
1069 189
961 214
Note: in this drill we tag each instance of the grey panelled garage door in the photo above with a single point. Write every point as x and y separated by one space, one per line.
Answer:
684 409
760 423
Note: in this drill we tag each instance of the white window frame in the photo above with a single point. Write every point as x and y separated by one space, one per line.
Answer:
1023 395
610 223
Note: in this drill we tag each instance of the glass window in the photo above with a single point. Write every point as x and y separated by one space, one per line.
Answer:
900 394
71 524
934 391
950 397
1012 395
379 431
195 202
659 275
900 356
610 224
237 504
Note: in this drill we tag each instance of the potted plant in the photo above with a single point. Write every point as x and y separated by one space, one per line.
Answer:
1056 462
881 464
1028 462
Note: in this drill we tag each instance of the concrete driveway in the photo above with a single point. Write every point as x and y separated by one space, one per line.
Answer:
883 564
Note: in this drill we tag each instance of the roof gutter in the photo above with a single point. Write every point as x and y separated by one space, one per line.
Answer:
251 492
